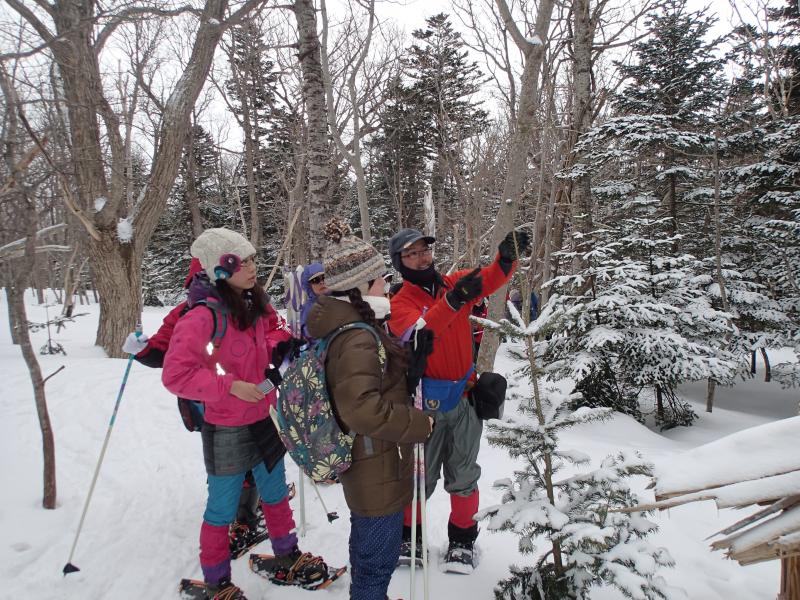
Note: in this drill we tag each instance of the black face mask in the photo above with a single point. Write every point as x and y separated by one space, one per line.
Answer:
425 278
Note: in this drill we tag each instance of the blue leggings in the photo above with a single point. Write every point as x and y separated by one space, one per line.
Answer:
224 492
374 550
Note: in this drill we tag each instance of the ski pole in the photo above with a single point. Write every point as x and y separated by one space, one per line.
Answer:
419 482
414 521
301 485
332 516
424 519
69 567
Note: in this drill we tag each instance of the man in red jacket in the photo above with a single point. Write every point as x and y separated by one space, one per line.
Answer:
445 303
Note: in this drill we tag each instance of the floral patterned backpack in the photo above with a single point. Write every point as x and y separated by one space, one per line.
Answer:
304 417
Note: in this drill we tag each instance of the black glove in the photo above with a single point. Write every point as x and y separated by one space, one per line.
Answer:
509 252
274 375
418 359
467 288
290 348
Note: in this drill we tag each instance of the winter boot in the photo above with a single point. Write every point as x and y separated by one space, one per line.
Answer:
460 556
405 547
299 568
242 537
224 590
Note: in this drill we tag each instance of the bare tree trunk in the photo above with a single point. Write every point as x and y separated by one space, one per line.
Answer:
20 270
16 302
69 300
717 260
192 201
710 391
517 153
319 162
76 45
673 211
581 193
354 157
659 403
767 368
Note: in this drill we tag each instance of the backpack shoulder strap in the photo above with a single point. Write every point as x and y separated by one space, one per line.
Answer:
347 327
324 344
220 319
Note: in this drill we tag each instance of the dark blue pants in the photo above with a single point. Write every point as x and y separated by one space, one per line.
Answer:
374 550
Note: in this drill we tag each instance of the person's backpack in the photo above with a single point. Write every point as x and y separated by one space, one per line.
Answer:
305 418
192 411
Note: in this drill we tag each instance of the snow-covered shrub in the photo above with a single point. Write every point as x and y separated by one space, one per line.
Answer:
591 542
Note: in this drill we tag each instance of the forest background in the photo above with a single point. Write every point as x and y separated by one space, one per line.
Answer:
652 153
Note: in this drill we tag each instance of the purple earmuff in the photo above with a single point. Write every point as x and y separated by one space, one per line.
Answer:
228 265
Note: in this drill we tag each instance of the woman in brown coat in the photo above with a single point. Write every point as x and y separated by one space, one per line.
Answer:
367 385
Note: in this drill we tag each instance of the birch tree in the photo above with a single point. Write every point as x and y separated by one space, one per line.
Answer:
532 48
318 158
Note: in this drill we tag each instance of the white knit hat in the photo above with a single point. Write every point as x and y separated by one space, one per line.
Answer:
214 248
349 261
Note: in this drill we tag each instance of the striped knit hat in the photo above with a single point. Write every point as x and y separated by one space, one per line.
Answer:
349 261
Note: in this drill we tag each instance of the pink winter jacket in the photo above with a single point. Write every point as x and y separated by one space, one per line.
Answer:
190 372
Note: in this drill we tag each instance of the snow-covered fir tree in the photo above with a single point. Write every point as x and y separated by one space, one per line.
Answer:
643 325
762 172
590 541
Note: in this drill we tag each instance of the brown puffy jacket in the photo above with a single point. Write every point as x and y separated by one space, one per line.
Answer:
374 404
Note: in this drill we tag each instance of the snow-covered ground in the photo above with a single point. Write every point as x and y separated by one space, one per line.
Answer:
140 535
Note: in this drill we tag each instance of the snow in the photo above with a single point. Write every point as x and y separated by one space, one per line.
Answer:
756 452
99 203
141 531
534 40
748 492
125 230
786 522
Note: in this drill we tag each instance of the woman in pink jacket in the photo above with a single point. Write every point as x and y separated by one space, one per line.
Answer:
238 434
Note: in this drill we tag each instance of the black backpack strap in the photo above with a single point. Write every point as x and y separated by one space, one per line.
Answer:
220 320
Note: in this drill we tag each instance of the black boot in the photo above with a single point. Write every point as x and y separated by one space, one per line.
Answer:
405 547
460 556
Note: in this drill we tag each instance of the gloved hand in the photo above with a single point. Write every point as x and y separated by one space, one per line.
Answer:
134 344
418 358
289 349
510 252
274 375
467 288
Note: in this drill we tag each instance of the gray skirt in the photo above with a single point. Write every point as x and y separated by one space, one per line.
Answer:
234 450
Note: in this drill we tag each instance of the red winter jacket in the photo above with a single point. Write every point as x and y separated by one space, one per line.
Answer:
452 330
153 353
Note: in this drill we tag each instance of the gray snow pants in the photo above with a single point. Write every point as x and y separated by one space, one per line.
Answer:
454 445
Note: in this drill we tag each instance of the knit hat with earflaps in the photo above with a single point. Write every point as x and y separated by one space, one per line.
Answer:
349 262
221 252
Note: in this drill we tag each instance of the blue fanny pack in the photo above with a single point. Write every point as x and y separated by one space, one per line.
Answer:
444 394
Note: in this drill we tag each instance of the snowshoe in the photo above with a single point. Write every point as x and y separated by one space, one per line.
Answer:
302 569
193 589
242 537
404 559
460 558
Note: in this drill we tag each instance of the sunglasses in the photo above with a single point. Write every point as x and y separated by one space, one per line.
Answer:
317 279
